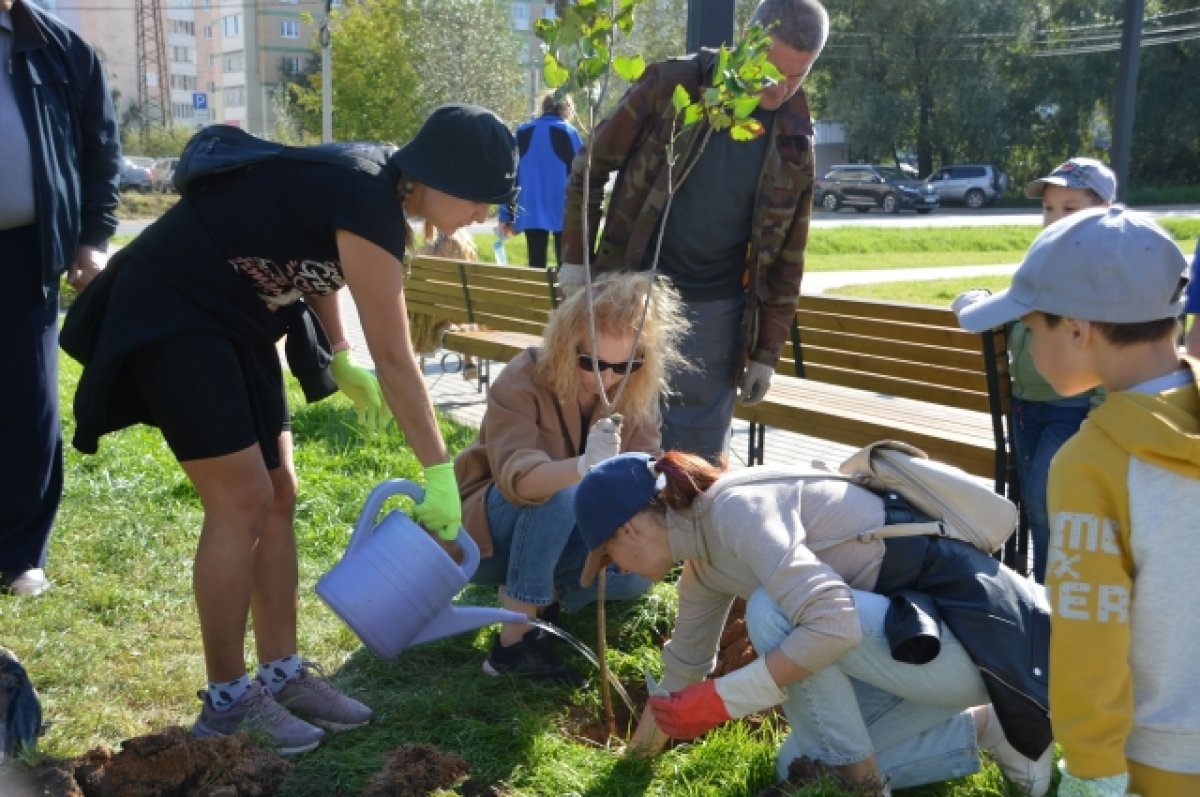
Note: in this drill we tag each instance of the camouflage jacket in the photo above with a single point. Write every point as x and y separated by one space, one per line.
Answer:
632 141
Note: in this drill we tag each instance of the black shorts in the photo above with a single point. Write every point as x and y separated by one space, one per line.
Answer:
196 392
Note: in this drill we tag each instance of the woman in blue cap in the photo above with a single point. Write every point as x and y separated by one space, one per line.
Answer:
817 624
180 332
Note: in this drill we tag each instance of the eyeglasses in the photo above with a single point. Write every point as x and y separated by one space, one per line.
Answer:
587 363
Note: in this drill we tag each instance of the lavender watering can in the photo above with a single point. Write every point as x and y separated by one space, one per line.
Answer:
394 584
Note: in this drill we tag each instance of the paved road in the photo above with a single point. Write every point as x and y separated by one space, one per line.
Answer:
943 217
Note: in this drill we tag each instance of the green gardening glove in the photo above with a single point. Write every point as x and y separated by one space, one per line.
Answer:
362 387
441 511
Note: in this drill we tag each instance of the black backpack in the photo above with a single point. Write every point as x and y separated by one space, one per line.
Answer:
20 709
219 150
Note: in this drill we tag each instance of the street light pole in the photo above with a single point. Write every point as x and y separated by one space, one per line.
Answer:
326 79
1126 101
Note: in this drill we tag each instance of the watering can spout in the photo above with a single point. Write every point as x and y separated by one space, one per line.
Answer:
457 619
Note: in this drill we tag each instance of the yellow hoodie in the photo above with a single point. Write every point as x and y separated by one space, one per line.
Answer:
1124 580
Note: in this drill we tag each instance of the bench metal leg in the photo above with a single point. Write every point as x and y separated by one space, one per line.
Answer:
485 375
757 444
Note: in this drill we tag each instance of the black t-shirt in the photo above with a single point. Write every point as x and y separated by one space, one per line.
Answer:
276 224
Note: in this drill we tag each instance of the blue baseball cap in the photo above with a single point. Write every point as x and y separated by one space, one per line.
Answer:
608 496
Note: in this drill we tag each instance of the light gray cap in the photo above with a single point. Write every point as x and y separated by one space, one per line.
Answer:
1101 264
1087 173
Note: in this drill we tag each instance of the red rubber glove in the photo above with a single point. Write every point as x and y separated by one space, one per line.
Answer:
691 711
700 707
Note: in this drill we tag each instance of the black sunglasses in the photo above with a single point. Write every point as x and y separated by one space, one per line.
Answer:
587 363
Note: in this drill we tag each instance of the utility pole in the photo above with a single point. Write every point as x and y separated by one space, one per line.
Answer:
1126 100
326 79
709 23
151 49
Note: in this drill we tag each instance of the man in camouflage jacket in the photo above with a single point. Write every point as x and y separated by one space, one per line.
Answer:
762 228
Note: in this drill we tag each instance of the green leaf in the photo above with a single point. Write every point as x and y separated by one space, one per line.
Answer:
722 61
746 130
624 20
680 99
692 114
719 119
592 67
547 30
554 73
630 67
744 106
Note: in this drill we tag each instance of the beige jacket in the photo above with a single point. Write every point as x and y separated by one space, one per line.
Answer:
524 426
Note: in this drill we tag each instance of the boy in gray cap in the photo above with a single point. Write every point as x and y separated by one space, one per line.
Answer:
1101 292
1073 185
1043 419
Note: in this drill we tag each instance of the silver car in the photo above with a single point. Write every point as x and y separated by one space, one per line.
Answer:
975 185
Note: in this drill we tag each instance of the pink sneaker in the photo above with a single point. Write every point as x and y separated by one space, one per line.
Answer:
258 712
311 696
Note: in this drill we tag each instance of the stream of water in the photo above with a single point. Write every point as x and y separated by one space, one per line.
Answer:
587 652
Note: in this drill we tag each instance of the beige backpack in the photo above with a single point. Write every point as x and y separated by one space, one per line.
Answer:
959 506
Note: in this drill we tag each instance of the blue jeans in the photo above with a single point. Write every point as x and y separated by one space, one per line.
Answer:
1039 430
912 718
539 554
696 416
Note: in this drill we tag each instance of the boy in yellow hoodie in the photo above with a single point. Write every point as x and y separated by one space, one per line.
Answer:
1101 291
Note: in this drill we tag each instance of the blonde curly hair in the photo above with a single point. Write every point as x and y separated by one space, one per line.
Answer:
618 301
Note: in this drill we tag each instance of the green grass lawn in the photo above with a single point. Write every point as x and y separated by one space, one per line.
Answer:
114 648
856 248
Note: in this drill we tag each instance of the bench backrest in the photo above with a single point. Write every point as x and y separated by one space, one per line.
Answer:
509 298
906 350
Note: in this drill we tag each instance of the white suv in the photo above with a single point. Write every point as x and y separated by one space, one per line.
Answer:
976 185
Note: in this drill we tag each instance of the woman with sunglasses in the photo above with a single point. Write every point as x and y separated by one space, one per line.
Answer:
546 424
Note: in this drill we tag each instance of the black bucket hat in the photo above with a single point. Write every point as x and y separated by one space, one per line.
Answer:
464 151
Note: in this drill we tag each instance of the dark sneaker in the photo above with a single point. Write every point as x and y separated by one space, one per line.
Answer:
257 712
532 657
311 696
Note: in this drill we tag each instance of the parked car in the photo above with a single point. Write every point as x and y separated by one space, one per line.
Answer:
863 186
161 174
135 173
975 185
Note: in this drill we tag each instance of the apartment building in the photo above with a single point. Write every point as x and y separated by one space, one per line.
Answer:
243 51
225 59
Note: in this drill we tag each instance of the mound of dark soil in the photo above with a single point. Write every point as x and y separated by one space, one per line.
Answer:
415 770
804 772
168 764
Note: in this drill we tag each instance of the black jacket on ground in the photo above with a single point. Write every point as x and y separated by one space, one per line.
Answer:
1001 618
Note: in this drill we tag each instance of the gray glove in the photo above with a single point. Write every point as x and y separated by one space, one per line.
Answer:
755 382
1111 786
571 277
603 442
968 298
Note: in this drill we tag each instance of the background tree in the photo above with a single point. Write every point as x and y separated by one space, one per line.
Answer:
394 61
919 77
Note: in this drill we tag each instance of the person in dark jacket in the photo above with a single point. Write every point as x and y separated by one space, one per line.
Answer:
802 548
547 145
733 242
58 194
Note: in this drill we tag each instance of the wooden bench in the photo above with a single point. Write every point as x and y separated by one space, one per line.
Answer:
855 371
511 304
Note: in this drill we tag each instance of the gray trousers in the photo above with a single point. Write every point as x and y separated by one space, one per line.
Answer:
697 414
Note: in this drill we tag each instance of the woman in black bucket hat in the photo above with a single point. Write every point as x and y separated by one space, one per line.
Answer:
180 332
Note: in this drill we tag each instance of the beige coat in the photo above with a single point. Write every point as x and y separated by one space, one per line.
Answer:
524 426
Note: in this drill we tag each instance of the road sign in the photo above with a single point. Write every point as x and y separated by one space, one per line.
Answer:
199 101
